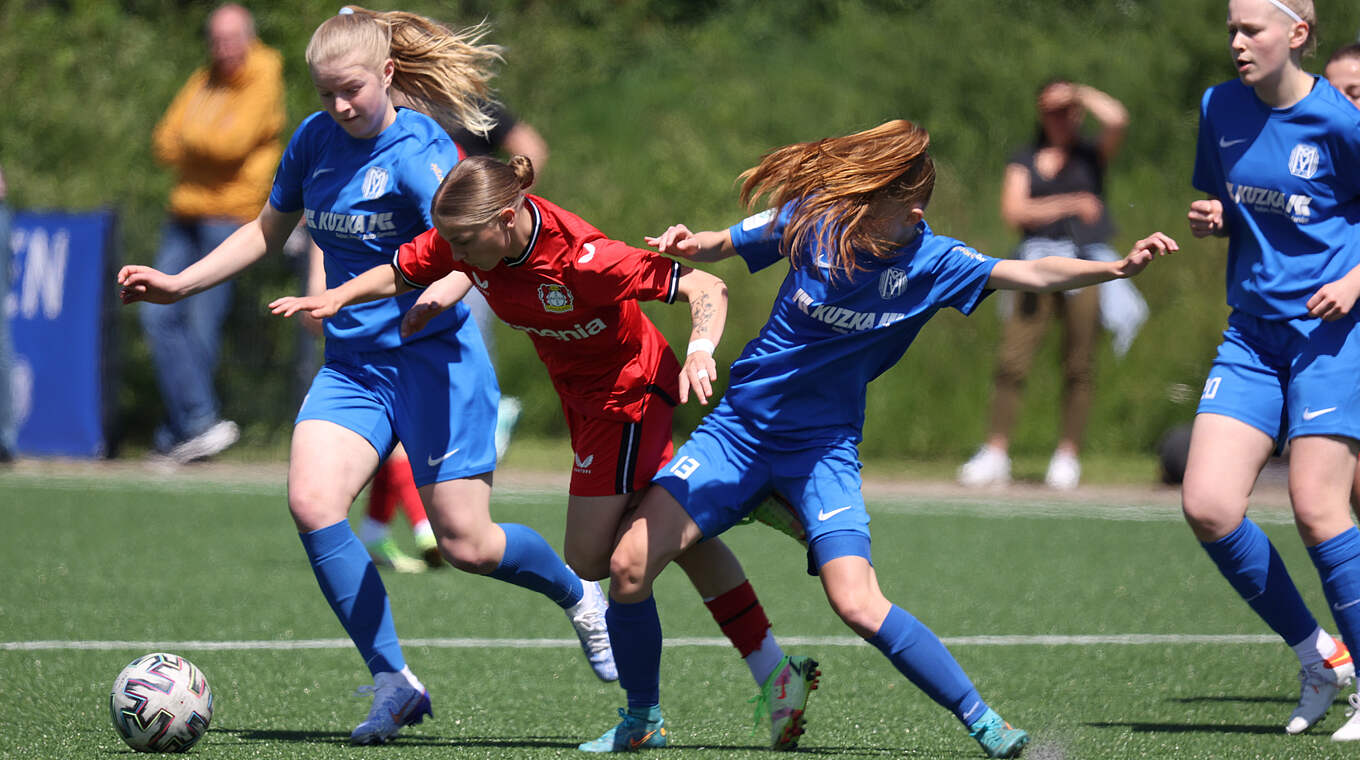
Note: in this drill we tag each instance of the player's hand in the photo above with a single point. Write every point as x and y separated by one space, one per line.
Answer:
1156 244
1206 218
419 315
141 283
698 375
1087 207
320 307
676 241
1334 300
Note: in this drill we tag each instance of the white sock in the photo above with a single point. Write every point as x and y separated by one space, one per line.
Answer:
401 677
765 659
422 529
1316 647
371 530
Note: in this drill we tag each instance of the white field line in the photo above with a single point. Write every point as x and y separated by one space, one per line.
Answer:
1128 639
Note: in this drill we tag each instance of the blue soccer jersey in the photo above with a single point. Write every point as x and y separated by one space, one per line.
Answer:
805 374
1288 181
361 200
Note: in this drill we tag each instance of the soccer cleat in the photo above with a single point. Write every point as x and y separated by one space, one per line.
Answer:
428 546
776 512
645 729
1350 730
587 617
1318 685
386 553
996 736
211 442
1064 471
988 467
395 705
784 698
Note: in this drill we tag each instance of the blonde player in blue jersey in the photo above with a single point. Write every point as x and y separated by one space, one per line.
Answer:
362 174
865 273
1278 155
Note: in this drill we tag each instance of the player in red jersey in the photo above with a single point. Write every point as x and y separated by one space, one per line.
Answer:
576 293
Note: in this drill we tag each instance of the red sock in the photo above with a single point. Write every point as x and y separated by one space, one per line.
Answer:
741 618
382 495
403 483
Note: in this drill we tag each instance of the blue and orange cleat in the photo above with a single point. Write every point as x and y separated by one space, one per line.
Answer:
640 729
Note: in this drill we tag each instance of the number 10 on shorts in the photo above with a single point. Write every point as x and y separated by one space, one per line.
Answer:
684 466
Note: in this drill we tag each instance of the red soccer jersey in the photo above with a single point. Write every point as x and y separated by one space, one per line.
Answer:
576 293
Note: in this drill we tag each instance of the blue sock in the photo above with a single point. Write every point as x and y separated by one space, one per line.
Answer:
1338 562
1252 566
350 582
530 562
920 656
635 635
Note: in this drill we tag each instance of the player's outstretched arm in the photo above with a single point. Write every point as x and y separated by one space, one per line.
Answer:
439 296
1061 273
244 247
707 297
703 247
381 281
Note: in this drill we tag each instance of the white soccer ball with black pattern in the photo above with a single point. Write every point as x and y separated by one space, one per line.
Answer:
161 703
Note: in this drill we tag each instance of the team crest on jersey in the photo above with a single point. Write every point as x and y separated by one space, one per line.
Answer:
555 298
892 283
1303 161
375 182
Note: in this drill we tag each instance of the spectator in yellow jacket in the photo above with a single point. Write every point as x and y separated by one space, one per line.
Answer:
221 137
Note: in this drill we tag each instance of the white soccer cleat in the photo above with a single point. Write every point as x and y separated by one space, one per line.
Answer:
587 617
1318 685
211 442
1064 471
395 704
1350 730
988 467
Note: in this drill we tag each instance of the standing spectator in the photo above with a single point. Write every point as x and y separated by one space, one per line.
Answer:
220 135
1053 192
8 428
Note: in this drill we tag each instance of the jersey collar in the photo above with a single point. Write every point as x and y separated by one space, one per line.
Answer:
533 238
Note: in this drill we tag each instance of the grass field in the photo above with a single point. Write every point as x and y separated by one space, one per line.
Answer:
1099 627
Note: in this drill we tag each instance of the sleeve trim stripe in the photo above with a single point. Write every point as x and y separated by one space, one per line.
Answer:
397 266
674 289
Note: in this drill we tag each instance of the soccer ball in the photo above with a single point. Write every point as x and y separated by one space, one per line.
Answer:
161 703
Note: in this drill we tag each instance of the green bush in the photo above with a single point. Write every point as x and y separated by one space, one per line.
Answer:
652 108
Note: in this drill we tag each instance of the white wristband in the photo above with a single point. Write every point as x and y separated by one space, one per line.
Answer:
702 344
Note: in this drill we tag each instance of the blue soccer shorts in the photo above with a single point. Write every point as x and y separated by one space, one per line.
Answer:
723 471
438 396
1287 378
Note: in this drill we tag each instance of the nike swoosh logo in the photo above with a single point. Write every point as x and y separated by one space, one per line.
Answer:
322 171
430 460
641 740
1226 143
1309 414
1340 607
590 253
824 515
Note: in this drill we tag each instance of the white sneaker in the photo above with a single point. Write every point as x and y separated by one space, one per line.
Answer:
395 704
587 617
1318 685
216 439
1064 471
1350 730
988 467
507 414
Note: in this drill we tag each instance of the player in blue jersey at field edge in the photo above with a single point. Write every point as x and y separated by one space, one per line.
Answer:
1278 151
362 174
865 274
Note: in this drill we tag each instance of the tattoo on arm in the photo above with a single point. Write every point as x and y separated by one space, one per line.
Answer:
701 314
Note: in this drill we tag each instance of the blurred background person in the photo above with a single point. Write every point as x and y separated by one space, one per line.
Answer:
220 135
9 432
1053 193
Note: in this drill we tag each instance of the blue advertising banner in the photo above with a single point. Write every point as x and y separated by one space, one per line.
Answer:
59 288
